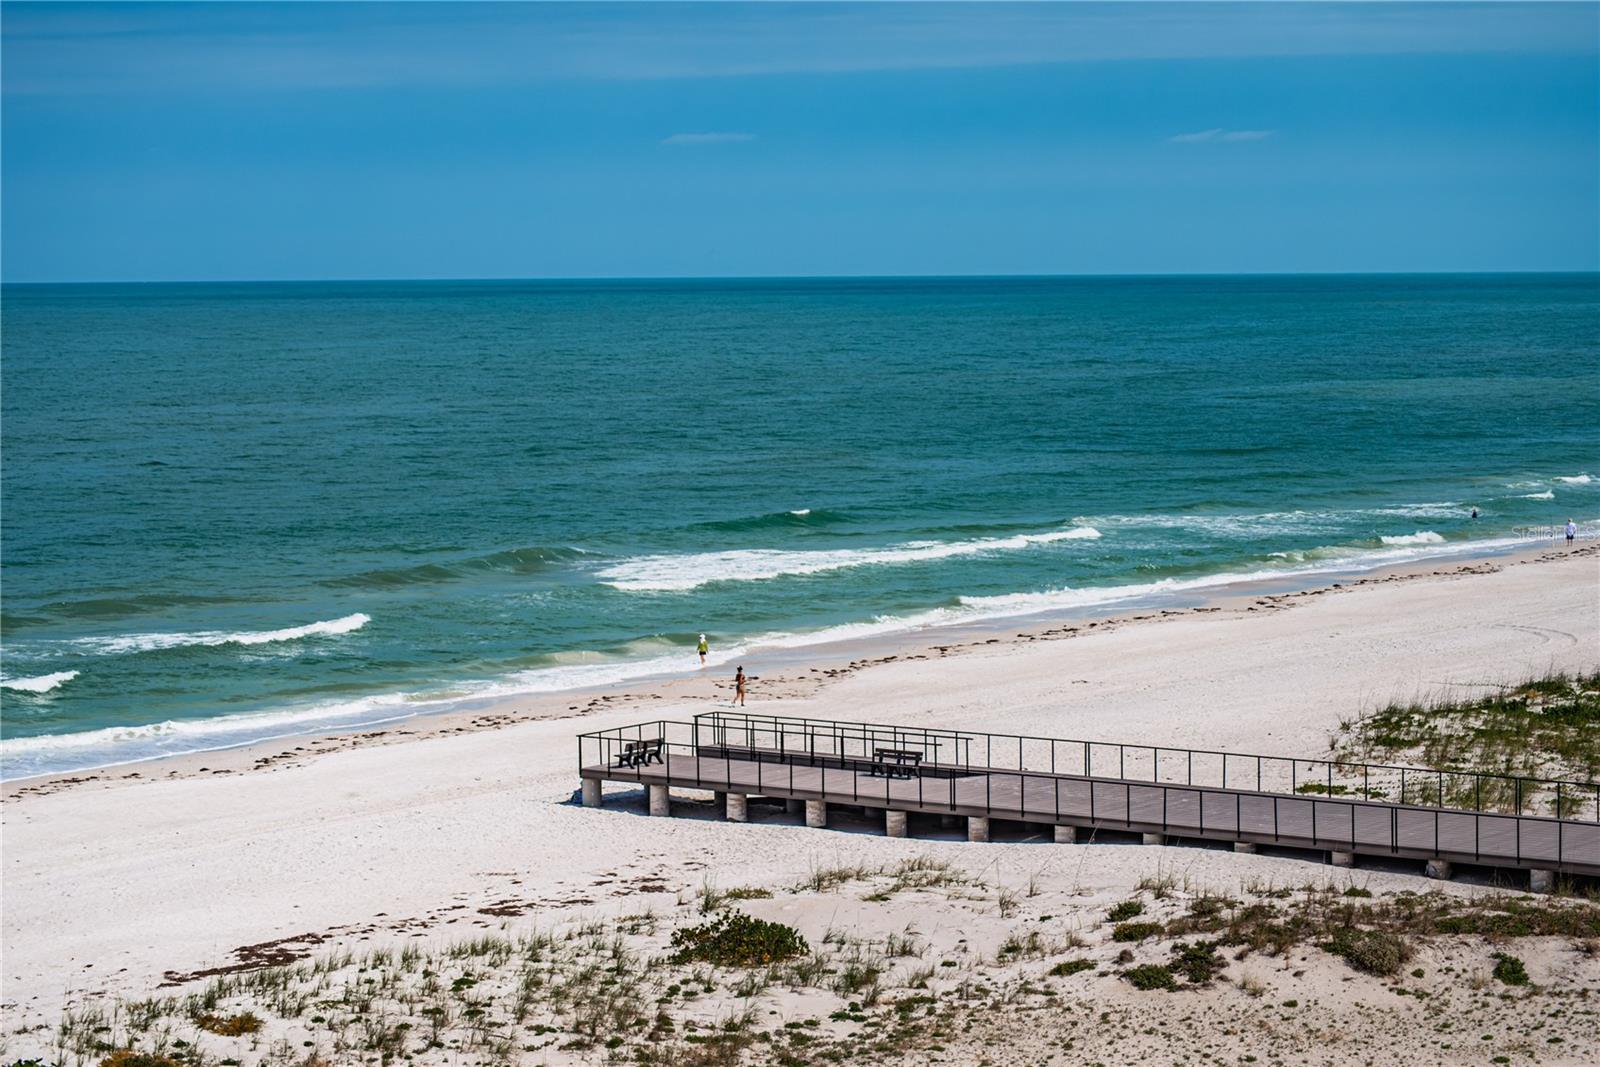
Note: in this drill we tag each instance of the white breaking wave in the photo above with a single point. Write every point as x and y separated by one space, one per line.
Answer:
25 757
42 683
1267 524
1546 495
111 646
1421 537
1576 479
676 573
801 511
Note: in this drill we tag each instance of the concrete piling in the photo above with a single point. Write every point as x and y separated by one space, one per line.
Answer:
894 823
660 802
977 828
591 792
1066 835
816 813
737 807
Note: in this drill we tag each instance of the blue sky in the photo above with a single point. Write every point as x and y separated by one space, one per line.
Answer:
243 141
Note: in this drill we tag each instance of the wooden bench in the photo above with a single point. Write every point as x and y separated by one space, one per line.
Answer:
895 763
639 753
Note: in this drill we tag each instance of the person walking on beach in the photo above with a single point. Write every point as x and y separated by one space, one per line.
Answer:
703 648
1572 530
738 686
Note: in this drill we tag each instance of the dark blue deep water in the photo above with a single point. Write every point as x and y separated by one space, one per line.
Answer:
239 510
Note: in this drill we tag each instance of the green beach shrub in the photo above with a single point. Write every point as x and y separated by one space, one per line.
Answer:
1071 967
1510 970
1125 910
1373 951
1134 931
737 940
1197 962
1150 976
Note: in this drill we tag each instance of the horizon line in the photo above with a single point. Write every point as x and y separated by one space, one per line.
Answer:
807 277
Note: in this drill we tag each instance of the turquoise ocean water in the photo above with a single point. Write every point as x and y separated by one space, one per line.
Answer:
235 511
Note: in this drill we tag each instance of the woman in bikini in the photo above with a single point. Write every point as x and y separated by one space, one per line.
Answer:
738 686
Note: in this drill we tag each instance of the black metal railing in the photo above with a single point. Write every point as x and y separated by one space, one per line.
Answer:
1416 786
755 755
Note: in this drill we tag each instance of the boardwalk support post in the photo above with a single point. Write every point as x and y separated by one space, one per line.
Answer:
660 804
1541 881
591 792
977 828
1437 869
738 807
894 823
1246 848
1153 839
816 814
1342 859
1066 835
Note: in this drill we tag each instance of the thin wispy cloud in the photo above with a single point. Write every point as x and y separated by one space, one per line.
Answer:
71 48
1219 134
707 138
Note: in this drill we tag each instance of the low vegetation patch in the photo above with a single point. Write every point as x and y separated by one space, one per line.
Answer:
1510 970
737 940
1135 931
1545 728
231 1025
1197 962
1069 968
1373 951
1125 910
1150 976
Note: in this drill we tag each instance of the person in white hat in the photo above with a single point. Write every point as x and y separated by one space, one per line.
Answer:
703 648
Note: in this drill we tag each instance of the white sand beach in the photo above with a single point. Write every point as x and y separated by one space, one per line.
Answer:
122 882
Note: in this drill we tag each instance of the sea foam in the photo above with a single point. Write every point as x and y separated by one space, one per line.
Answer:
1576 479
690 571
1421 537
111 646
27 756
42 683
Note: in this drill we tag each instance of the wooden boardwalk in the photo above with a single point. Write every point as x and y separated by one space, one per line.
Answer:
1341 826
